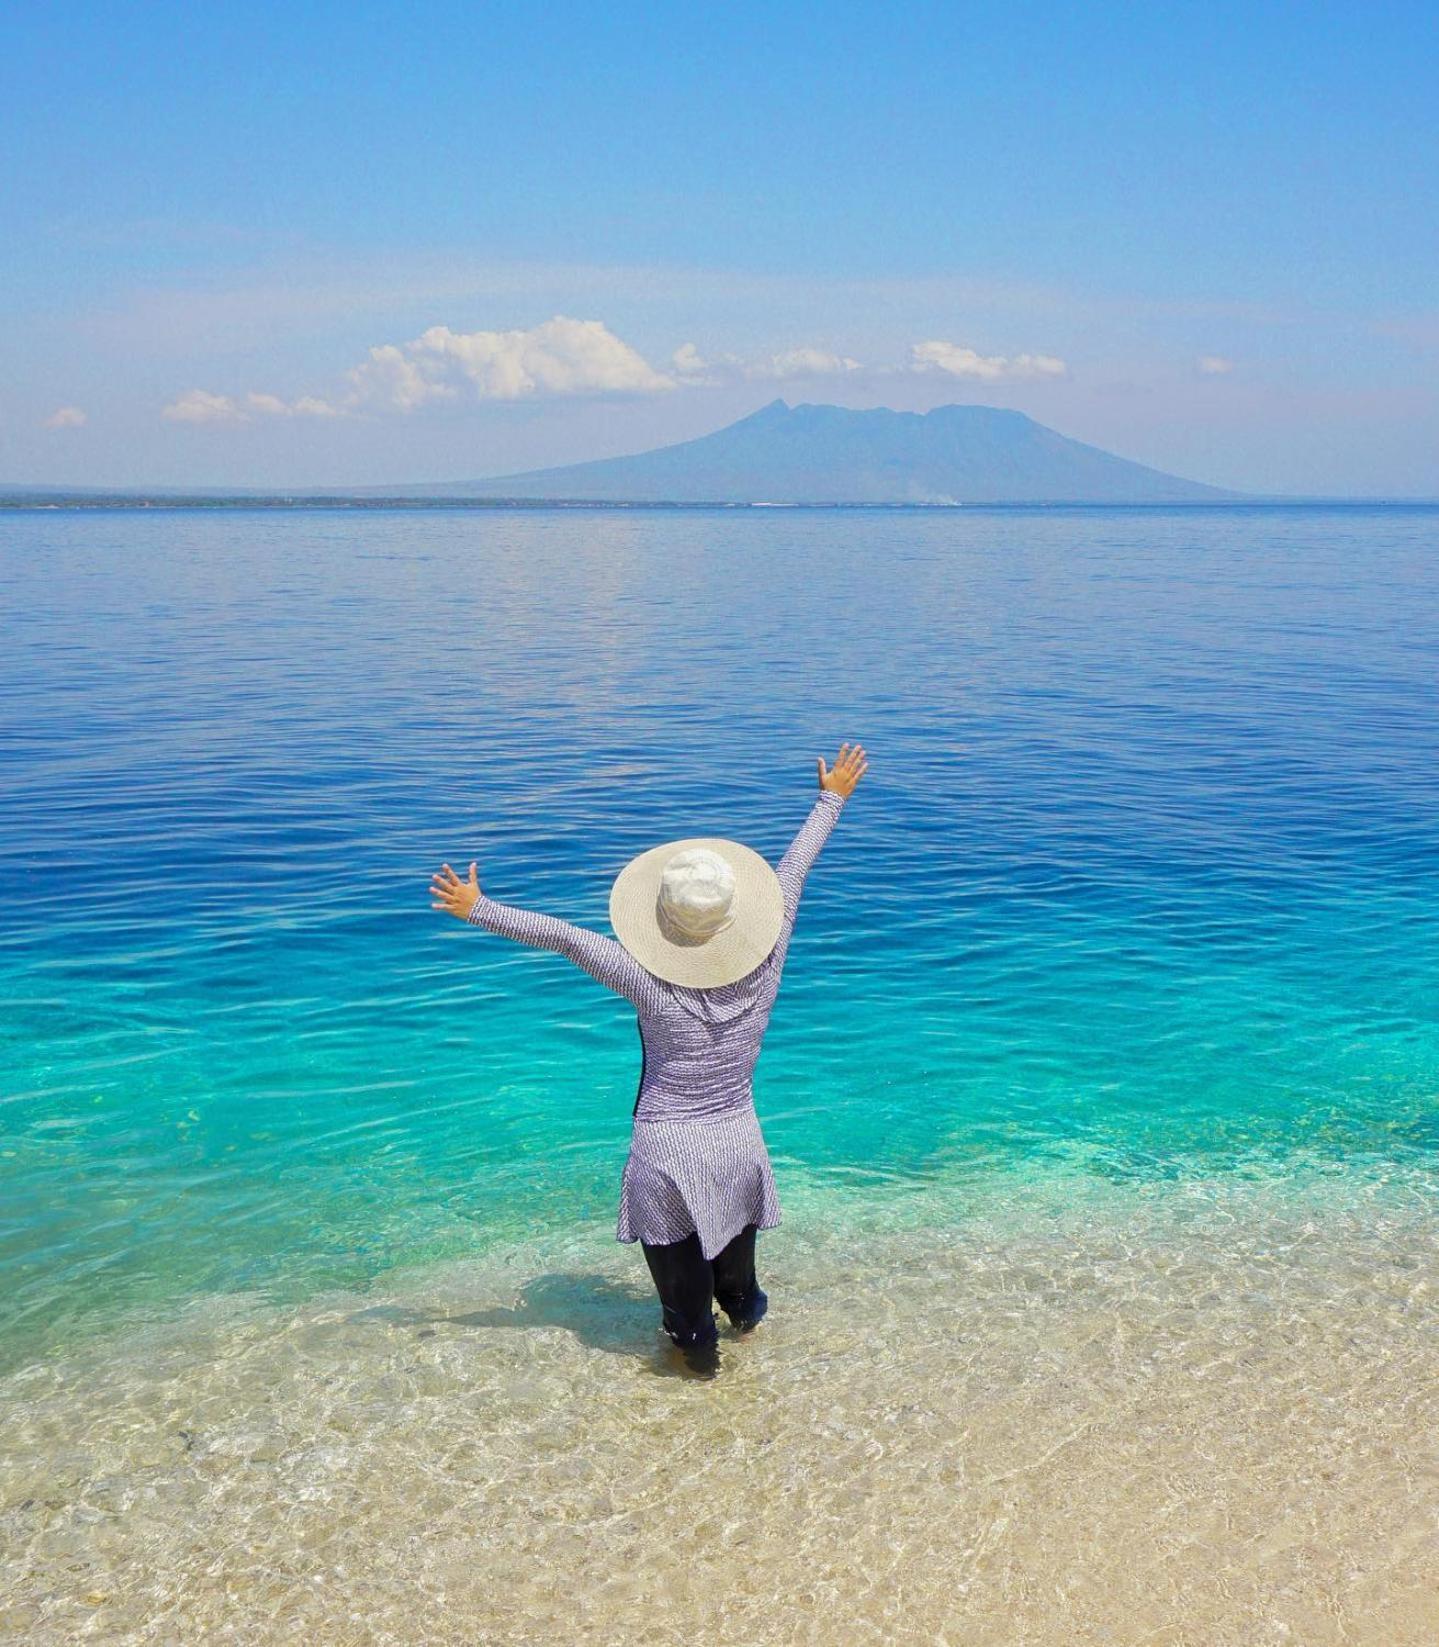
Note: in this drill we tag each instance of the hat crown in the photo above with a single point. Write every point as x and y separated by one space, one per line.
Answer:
696 894
734 908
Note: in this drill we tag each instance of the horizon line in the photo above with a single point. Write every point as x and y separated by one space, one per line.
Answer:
22 498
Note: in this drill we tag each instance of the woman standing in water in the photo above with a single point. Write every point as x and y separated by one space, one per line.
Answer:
704 926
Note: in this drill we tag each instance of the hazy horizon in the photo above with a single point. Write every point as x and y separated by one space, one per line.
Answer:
451 489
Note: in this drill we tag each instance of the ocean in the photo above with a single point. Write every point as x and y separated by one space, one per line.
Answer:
1102 1091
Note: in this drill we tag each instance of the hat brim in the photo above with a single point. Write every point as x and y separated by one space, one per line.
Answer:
730 955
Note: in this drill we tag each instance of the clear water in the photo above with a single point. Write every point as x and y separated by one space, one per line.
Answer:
1144 880
1103 1090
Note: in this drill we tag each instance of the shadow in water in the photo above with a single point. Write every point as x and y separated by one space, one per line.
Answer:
600 1312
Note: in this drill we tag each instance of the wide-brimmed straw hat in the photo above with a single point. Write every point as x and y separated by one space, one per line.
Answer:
698 912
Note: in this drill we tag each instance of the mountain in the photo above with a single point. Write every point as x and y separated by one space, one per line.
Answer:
828 454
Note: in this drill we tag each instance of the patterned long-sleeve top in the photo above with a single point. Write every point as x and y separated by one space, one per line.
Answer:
697 1159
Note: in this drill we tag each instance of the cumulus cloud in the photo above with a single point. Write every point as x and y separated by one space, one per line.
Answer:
958 361
804 363
691 367
1214 365
200 406
391 378
67 417
304 406
688 362
560 357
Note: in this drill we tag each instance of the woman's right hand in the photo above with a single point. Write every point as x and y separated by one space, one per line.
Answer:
850 765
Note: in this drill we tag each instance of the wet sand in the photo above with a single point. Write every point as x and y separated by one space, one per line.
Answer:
1200 1413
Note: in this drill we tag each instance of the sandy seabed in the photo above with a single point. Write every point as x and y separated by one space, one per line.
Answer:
1202 1413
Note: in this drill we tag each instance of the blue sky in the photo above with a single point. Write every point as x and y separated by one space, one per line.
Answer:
271 245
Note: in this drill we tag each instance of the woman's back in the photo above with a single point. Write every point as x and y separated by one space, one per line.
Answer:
701 1046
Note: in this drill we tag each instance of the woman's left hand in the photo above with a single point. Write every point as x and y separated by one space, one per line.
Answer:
454 896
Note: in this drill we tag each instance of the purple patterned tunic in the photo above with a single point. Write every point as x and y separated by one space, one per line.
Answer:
697 1158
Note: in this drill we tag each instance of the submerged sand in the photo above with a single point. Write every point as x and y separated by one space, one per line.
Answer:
1170 1413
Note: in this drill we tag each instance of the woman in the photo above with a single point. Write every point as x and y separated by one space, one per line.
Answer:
704 925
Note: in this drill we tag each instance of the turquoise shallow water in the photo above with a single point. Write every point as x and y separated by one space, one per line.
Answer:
1141 887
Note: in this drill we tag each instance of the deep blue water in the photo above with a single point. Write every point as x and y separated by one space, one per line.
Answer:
1143 882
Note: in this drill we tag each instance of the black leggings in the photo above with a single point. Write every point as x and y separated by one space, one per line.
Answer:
688 1283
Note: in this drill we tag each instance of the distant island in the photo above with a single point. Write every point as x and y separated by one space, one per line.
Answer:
798 456
832 455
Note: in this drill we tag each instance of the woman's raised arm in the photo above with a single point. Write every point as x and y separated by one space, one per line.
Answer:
604 959
836 785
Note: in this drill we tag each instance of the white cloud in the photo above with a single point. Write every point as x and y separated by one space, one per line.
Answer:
305 406
804 363
1214 365
559 357
200 406
691 367
688 362
958 361
67 417
391 378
